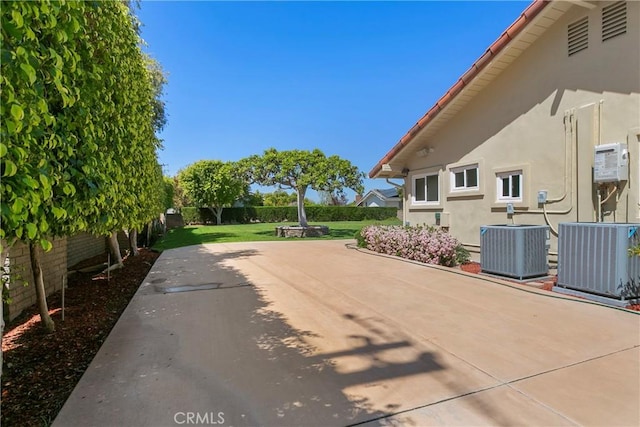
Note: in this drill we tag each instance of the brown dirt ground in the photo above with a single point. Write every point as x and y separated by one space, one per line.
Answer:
40 370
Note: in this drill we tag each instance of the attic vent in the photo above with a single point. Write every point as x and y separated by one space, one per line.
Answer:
578 35
614 20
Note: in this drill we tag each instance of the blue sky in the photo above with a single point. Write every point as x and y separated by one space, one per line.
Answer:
349 78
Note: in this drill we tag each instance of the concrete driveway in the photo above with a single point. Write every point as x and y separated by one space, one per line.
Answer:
314 333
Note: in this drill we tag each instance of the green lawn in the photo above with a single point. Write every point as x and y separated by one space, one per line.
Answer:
194 235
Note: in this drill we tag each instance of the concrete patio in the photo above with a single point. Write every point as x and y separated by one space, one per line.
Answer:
303 333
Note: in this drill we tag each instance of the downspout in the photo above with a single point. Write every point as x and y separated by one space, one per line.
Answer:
404 204
570 140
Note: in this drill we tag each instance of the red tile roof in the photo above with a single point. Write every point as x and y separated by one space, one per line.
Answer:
514 29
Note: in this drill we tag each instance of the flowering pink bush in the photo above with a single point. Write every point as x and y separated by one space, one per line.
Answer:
424 244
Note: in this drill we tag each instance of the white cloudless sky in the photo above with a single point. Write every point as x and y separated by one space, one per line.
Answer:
349 78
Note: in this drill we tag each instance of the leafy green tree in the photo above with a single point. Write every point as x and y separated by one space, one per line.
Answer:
158 81
180 199
328 198
169 193
78 143
283 198
128 174
41 83
212 184
251 198
280 198
300 170
152 186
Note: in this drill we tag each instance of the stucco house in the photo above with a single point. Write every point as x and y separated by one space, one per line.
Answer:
514 139
381 197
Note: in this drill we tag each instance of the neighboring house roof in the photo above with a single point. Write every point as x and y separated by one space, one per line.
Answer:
384 194
522 33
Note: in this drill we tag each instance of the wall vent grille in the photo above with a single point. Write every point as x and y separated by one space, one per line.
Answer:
518 251
614 20
578 36
594 258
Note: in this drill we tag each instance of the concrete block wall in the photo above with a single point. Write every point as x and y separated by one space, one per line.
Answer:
83 246
66 252
54 267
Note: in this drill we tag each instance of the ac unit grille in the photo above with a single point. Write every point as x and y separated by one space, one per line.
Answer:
514 251
578 36
614 20
594 258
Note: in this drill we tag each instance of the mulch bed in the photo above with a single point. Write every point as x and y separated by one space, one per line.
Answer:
39 369
471 267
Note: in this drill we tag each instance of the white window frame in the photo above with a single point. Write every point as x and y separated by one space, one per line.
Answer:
508 175
425 202
463 169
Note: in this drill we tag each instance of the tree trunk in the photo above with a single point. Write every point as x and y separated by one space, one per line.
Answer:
302 215
38 281
163 223
114 248
133 242
217 211
5 254
149 233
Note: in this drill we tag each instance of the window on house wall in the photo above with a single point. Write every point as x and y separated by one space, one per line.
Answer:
509 186
426 189
578 36
464 178
614 20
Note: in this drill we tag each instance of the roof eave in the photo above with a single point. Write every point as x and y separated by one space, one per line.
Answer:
499 45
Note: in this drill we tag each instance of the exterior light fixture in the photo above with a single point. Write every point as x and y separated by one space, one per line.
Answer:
425 151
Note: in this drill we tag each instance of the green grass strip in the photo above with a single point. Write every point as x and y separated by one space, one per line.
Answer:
199 234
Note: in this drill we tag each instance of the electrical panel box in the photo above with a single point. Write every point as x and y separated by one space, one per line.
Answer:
542 196
611 163
510 209
442 219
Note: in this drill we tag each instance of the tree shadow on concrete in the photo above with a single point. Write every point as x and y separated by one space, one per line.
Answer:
264 372
378 328
283 380
243 359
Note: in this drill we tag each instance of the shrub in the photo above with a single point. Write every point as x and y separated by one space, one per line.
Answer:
462 255
190 215
423 244
360 240
238 215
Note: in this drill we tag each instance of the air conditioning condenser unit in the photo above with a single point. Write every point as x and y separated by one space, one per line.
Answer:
518 251
594 258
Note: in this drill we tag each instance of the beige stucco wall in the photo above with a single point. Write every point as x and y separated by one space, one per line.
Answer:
544 114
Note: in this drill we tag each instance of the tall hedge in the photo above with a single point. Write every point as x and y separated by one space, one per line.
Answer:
245 215
78 143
